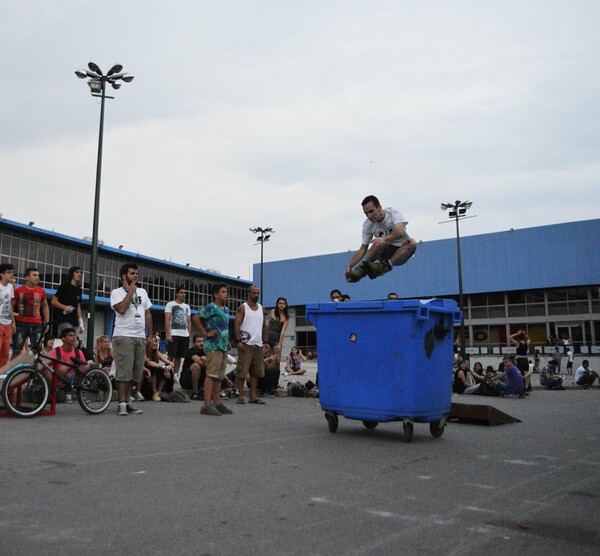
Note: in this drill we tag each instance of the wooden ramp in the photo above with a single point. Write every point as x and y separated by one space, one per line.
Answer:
479 415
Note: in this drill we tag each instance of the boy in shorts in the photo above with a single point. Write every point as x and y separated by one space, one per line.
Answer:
213 323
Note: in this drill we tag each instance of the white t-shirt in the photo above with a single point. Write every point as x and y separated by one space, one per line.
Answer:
133 322
180 313
6 294
385 228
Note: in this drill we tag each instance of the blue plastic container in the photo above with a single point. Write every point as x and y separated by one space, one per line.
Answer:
386 360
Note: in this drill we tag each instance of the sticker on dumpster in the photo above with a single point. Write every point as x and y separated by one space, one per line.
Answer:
353 337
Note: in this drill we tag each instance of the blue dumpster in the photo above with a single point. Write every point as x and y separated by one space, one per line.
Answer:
385 361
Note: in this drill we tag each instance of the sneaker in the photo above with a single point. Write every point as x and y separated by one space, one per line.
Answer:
122 409
195 396
223 394
137 397
378 269
359 272
210 410
68 397
130 408
222 408
156 397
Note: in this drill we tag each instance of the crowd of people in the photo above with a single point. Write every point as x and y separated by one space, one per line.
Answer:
139 368
141 371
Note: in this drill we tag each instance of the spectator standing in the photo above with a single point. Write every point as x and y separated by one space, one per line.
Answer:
557 356
31 305
213 323
278 322
569 362
7 319
178 323
67 302
250 330
133 324
520 340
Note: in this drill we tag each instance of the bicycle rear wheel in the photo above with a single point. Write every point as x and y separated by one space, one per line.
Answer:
25 391
94 391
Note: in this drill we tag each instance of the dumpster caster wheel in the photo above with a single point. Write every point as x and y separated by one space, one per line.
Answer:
370 424
436 429
332 421
408 430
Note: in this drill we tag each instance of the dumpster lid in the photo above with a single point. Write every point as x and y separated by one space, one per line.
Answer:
437 305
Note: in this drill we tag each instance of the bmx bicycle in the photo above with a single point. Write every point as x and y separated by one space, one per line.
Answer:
25 390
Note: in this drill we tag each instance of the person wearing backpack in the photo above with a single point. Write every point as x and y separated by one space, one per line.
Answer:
64 353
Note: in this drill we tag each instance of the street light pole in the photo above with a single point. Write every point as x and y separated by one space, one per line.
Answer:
265 235
458 211
97 83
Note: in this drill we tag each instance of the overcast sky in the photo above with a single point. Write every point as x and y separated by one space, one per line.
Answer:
287 113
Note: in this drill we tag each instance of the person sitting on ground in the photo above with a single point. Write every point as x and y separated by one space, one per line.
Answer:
160 368
514 383
104 355
584 376
193 373
268 384
294 362
48 344
549 378
463 382
477 372
64 353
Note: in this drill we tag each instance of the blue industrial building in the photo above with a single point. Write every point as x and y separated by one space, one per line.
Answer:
545 279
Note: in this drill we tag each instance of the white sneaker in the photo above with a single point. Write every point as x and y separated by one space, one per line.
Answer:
122 409
68 397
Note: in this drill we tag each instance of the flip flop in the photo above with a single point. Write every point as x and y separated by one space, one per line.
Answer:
258 401
240 401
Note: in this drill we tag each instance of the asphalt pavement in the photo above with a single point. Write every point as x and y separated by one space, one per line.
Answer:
272 479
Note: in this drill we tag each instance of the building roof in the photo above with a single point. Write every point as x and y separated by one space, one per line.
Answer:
557 255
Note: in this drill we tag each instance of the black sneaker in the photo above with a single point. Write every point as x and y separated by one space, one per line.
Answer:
195 396
222 408
210 409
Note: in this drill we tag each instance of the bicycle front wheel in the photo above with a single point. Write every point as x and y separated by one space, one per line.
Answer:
25 391
94 392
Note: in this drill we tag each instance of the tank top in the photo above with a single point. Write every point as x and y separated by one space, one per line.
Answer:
274 329
522 349
252 325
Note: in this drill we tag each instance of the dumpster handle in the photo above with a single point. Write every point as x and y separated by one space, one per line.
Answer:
457 317
422 313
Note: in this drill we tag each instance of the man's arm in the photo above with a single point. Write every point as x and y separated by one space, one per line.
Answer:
168 326
122 306
239 317
358 256
397 233
148 323
46 311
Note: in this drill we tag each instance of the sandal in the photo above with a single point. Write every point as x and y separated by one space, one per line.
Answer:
239 400
257 400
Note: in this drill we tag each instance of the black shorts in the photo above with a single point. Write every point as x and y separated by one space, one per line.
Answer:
178 347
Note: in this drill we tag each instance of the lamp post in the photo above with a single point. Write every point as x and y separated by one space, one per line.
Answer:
458 210
97 83
265 235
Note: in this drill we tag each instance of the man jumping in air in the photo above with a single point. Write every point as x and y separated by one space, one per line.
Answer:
385 230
